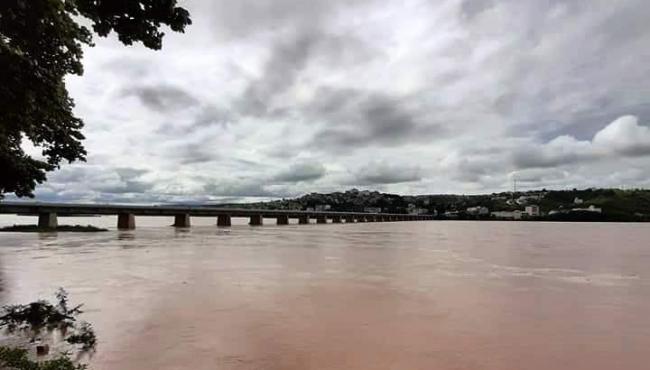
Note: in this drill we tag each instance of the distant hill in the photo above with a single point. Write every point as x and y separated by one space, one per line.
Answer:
616 204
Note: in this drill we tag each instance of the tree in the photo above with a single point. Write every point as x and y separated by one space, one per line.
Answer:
40 43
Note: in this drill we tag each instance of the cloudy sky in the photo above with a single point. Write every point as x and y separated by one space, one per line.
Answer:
276 98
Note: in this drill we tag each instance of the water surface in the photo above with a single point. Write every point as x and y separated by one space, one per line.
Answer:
403 295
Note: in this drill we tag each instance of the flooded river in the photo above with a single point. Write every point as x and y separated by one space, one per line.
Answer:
398 296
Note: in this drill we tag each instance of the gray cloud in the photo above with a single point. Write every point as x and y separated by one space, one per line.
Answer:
289 57
89 182
280 72
126 187
193 153
472 8
128 173
376 173
238 188
355 119
301 172
246 18
162 98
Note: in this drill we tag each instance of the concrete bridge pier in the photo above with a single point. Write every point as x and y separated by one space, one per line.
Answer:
336 219
282 220
224 221
256 220
361 218
303 220
47 220
320 219
349 219
182 220
126 221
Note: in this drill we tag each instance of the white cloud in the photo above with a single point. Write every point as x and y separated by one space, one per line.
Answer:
624 136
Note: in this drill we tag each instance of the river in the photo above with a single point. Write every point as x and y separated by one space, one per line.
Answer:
399 296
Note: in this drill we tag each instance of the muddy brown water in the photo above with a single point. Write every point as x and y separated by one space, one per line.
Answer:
403 295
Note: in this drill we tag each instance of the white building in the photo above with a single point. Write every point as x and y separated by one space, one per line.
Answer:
532 210
372 209
507 215
577 200
591 208
522 200
478 211
418 211
451 214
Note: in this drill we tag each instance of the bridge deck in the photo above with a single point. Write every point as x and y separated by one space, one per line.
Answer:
170 210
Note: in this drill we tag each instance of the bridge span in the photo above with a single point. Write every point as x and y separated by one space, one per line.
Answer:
47 214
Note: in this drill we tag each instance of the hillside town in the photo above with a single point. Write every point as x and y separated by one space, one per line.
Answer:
555 205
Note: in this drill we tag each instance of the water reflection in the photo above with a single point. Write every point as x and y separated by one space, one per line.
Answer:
47 235
126 235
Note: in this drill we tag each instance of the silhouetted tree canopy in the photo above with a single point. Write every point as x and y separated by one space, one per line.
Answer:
41 42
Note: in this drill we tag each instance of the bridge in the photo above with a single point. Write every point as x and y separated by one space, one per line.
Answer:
47 214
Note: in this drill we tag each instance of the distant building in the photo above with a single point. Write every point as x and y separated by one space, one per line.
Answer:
532 210
507 215
412 209
591 208
577 200
372 209
322 207
478 211
451 214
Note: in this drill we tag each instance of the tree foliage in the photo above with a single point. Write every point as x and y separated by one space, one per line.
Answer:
18 359
38 320
45 323
41 41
